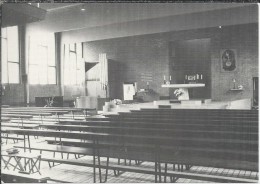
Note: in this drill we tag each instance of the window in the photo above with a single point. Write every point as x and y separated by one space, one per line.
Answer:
74 69
10 55
42 66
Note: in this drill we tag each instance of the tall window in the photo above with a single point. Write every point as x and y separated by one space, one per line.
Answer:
74 68
42 66
10 55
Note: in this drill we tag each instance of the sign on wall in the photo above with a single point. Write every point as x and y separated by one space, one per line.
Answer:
147 77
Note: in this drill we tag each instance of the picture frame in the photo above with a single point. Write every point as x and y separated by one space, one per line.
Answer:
228 60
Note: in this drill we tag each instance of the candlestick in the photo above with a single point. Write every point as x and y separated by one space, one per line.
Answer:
170 77
164 78
234 83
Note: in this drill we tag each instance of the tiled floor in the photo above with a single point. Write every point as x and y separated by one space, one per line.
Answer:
79 174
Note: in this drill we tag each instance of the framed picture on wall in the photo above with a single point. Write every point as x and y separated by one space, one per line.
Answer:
228 59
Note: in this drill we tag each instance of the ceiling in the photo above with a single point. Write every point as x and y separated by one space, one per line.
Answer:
54 6
20 14
68 16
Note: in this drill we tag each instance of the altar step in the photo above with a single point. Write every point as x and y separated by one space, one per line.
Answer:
164 106
175 101
192 101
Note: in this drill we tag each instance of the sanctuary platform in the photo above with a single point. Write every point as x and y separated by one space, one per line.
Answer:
160 103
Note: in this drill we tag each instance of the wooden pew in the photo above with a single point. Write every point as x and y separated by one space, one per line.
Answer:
151 118
18 125
187 116
150 156
6 137
176 134
72 110
198 111
36 112
21 116
172 131
205 111
32 122
29 113
166 123
40 112
144 141
231 127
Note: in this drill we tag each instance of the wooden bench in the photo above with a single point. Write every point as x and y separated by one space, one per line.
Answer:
149 118
18 125
187 116
171 132
25 116
122 119
165 124
29 113
11 137
61 149
53 109
32 122
146 140
212 111
198 111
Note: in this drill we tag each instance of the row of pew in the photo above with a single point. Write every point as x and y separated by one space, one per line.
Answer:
27 118
185 138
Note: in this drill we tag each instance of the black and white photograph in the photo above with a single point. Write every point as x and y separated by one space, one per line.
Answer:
129 92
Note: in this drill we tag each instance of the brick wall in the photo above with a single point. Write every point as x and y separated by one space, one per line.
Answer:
150 53
138 56
244 39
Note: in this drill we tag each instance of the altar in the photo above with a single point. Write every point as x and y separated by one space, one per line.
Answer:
183 92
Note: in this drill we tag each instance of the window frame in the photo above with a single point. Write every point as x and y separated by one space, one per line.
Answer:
18 62
47 64
74 52
72 49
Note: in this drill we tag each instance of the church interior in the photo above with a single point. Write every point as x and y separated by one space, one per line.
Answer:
129 92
